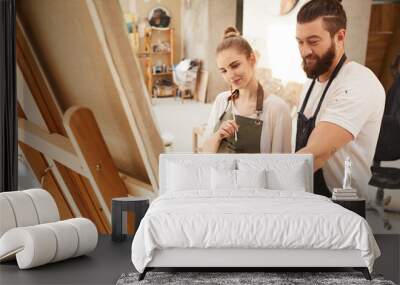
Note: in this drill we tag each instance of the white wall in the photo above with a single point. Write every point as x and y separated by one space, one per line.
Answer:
221 15
358 15
195 31
274 36
204 22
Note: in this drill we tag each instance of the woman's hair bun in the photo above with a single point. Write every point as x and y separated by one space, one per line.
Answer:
231 32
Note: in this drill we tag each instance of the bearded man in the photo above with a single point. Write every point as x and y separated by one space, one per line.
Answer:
342 104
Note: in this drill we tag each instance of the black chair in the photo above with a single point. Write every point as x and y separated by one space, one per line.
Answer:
388 146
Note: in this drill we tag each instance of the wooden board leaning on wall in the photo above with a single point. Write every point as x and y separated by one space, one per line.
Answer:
383 40
89 62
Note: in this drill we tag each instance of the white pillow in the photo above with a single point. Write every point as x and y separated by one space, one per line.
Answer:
251 178
189 175
223 179
237 179
280 174
280 180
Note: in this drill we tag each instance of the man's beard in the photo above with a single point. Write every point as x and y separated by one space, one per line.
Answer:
322 64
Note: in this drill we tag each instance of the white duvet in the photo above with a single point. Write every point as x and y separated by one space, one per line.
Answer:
250 219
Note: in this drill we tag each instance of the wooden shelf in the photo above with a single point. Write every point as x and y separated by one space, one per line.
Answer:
165 58
161 73
161 52
148 54
143 54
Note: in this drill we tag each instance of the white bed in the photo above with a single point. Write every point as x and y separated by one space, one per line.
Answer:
201 220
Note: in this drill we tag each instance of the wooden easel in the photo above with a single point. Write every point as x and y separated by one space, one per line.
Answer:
84 152
66 150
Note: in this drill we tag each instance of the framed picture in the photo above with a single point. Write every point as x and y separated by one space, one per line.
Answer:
159 17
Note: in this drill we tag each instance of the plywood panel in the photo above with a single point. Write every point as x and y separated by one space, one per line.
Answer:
67 44
383 40
378 43
391 54
383 17
125 68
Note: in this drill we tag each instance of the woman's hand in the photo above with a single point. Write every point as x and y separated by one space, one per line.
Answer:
227 129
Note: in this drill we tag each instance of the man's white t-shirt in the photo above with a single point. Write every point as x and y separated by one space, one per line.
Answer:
277 123
355 101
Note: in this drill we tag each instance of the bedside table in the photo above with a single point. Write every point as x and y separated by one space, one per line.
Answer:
357 205
137 205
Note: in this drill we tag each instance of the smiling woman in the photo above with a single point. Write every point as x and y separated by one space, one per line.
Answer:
246 119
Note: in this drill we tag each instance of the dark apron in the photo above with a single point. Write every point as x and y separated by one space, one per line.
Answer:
305 126
249 133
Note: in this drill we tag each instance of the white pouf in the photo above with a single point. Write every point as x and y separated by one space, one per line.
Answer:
67 240
23 208
46 207
32 246
87 234
30 230
7 220
37 245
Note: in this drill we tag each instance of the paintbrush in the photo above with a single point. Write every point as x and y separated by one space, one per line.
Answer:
234 118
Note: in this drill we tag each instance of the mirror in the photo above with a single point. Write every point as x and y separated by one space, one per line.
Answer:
159 17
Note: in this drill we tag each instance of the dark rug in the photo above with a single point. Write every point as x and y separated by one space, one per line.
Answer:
229 278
